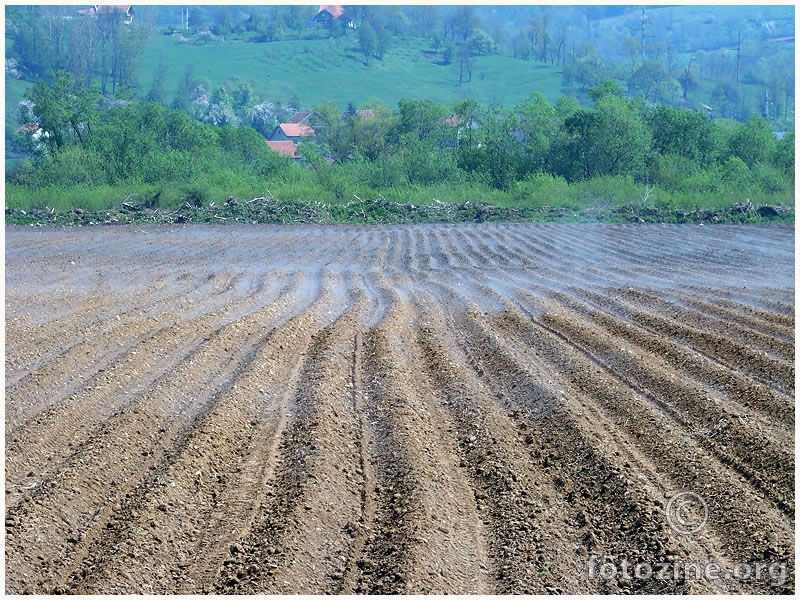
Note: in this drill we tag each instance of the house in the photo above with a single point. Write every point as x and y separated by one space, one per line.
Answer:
460 127
326 16
451 121
284 148
300 117
291 131
98 9
362 113
35 133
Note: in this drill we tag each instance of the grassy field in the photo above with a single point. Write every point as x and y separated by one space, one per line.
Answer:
309 72
14 92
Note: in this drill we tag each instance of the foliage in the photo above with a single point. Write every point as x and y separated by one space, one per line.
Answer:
532 157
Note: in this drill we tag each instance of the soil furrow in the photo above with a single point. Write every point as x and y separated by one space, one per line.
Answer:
215 482
731 498
134 439
437 408
121 384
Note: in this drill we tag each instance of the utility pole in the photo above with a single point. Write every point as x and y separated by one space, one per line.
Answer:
643 21
643 36
766 105
738 56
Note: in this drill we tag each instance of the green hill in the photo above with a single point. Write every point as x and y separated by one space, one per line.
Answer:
308 72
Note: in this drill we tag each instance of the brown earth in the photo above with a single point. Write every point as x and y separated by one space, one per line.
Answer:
418 409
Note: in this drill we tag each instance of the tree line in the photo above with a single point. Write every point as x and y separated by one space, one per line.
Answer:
677 149
421 148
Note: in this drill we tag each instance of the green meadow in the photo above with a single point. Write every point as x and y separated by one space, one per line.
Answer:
309 72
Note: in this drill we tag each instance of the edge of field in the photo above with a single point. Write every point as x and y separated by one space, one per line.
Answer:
383 211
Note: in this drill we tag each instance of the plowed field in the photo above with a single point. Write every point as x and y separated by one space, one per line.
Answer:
418 409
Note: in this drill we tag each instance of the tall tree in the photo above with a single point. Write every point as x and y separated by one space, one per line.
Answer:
66 111
367 42
610 140
465 60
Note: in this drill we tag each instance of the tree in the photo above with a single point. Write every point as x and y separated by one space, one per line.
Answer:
546 37
448 51
539 125
157 93
753 142
256 22
588 69
607 88
367 42
464 22
66 111
419 118
631 48
466 112
465 60
681 132
242 96
610 140
332 132
652 79
499 156
370 135
687 79
426 19
224 22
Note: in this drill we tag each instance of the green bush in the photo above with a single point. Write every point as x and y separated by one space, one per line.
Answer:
771 180
540 190
671 171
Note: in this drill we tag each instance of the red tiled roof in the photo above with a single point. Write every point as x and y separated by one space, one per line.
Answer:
451 121
335 10
300 117
296 130
286 148
112 7
29 127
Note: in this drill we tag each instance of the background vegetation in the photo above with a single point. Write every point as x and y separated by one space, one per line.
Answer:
149 113
621 152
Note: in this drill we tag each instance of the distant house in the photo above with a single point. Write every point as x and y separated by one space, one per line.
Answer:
460 127
98 9
363 113
291 131
327 14
300 117
284 148
35 133
451 121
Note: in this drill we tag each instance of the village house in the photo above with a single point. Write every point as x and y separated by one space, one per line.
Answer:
285 148
291 131
326 16
98 9
35 133
300 117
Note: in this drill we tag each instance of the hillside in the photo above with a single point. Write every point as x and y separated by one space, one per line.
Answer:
309 72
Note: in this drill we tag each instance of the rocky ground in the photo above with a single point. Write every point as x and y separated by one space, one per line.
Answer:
495 408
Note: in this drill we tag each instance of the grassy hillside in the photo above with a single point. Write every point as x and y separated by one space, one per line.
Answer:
314 71
14 91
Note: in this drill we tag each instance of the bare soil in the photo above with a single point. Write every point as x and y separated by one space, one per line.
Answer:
415 409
